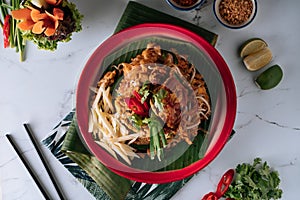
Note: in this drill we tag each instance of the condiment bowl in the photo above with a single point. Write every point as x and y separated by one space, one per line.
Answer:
235 14
185 159
185 5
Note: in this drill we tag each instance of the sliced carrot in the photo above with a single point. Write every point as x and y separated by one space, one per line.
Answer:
49 31
53 2
54 18
39 22
26 25
36 15
23 13
38 27
58 13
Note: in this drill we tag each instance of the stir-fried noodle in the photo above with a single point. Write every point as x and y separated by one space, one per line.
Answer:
159 99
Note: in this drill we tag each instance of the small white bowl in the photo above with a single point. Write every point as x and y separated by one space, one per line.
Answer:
226 23
177 6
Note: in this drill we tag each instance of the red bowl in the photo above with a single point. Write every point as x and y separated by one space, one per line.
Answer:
215 72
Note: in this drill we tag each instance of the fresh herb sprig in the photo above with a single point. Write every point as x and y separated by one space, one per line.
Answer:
158 97
255 181
14 35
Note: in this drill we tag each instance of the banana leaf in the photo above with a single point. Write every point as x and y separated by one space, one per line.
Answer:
136 13
75 149
71 151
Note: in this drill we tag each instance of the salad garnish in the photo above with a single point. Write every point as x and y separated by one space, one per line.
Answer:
44 22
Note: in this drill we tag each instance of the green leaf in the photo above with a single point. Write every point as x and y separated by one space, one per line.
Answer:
72 141
94 189
144 91
254 181
158 97
136 13
75 149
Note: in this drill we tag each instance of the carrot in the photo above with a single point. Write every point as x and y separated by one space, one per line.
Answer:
38 27
26 25
53 2
58 13
36 15
32 19
21 14
49 31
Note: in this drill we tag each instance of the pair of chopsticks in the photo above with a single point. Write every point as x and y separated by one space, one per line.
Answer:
29 169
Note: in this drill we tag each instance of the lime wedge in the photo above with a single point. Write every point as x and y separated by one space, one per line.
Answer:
269 78
251 46
258 60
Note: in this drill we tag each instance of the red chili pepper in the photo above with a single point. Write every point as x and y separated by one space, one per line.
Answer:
222 187
210 196
136 106
6 31
139 97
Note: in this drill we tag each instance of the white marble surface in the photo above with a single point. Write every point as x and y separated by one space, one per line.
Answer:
41 91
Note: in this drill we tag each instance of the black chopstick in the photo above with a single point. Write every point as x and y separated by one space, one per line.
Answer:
46 165
26 164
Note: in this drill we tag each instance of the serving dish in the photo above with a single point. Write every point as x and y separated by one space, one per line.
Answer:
185 5
120 48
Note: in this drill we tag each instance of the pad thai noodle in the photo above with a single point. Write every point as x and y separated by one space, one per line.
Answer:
155 101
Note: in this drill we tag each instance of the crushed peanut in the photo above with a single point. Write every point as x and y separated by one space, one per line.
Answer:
235 12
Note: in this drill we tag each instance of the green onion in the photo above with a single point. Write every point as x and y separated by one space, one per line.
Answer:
163 137
21 45
15 35
3 12
151 147
158 140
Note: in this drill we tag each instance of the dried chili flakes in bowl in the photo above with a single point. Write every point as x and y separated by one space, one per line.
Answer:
185 2
185 5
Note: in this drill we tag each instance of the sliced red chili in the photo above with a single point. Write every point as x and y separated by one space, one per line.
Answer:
210 196
136 106
139 97
6 30
223 185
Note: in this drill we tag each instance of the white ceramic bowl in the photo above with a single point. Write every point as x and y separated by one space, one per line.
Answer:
226 23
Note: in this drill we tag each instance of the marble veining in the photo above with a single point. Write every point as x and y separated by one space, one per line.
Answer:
277 124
